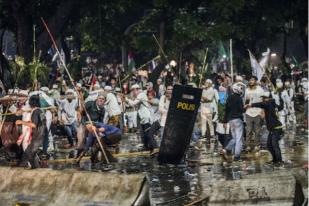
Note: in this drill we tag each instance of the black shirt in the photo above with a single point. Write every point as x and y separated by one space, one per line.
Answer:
96 114
234 108
38 118
270 107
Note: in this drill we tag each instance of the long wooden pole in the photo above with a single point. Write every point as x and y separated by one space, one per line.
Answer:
74 86
142 66
160 48
231 60
203 67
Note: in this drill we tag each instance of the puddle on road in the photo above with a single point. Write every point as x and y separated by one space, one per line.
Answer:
181 184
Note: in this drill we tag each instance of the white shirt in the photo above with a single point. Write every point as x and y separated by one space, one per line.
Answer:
212 96
161 90
164 104
111 105
254 96
141 102
286 101
154 109
68 110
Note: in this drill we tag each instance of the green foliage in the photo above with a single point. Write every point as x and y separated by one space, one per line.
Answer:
26 74
189 26
75 67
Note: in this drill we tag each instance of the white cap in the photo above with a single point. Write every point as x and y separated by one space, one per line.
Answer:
135 86
44 89
69 91
117 89
278 80
237 88
79 85
208 81
239 78
23 92
108 88
149 84
304 79
55 86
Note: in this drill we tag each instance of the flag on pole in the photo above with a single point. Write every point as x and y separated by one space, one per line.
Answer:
153 64
222 52
131 62
295 62
257 70
265 59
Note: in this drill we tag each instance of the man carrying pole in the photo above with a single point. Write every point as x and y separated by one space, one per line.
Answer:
72 82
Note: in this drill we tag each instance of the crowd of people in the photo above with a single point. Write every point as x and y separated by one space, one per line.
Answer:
103 107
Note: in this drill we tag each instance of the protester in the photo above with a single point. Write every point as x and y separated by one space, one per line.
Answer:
38 130
234 116
144 114
253 115
291 118
281 97
68 114
209 108
164 104
112 108
109 134
274 126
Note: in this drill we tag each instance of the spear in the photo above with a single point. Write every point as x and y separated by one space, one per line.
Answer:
74 86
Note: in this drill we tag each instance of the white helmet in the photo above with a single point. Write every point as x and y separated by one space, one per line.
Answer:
237 88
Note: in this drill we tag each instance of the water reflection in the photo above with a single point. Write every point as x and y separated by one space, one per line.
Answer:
181 184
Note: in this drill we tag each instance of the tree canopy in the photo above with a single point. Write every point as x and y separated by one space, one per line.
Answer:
186 27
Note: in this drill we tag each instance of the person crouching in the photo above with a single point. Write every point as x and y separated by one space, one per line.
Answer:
110 135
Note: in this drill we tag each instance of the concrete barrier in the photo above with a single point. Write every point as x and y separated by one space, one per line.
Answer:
59 188
270 189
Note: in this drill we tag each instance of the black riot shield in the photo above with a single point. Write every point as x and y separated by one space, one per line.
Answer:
179 125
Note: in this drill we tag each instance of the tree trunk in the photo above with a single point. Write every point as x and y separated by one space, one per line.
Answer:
66 50
57 24
283 56
24 30
5 68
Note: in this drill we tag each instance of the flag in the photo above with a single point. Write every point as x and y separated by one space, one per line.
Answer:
153 64
265 59
222 52
131 62
257 70
295 61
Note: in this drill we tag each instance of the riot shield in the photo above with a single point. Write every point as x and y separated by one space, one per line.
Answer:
179 125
